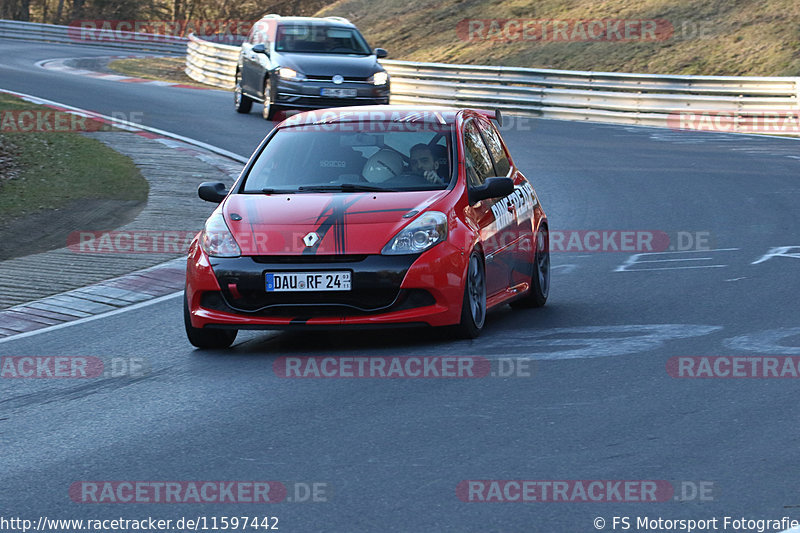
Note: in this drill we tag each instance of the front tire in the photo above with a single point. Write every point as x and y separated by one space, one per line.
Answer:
269 109
205 338
473 307
241 102
540 280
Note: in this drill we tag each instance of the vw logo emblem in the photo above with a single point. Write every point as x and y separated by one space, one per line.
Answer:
337 79
311 239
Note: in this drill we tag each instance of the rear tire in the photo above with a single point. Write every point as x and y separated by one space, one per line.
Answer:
473 307
540 280
241 102
206 338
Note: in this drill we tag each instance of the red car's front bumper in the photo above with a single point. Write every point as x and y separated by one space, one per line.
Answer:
230 293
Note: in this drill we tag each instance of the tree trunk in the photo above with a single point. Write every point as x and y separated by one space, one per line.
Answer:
59 11
77 9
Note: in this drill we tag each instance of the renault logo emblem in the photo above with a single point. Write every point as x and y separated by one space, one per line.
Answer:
311 239
337 79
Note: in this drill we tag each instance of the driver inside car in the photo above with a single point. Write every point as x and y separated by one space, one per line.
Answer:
424 163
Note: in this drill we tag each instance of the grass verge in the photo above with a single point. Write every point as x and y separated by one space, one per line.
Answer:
48 178
169 69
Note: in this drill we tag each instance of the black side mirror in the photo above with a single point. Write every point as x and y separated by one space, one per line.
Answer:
260 48
492 188
381 53
212 191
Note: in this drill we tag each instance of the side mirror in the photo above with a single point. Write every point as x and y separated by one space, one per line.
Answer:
260 48
211 191
381 53
492 188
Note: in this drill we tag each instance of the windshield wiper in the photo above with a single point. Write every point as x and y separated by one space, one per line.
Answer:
345 187
268 190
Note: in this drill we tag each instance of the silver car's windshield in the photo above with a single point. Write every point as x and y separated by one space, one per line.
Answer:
320 39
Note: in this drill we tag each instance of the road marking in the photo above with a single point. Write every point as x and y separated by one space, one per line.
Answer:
779 251
634 260
766 341
92 318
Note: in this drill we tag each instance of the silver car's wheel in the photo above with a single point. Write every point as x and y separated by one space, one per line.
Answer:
241 102
269 110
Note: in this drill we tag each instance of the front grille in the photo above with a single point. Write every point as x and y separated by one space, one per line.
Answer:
330 78
307 305
376 281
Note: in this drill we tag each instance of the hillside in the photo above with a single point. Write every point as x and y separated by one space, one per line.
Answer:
723 37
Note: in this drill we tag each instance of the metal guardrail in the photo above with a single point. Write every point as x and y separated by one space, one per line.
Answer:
644 99
105 37
621 98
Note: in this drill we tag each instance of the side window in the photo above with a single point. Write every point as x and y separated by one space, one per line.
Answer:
479 163
496 148
260 33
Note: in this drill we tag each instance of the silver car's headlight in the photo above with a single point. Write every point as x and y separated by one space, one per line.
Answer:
379 78
217 240
426 231
290 74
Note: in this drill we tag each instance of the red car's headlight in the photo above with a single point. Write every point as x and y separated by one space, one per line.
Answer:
217 240
426 231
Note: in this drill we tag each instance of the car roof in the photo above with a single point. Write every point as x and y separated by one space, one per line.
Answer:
321 21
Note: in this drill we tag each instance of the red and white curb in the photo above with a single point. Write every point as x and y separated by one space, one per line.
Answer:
124 292
60 65
97 299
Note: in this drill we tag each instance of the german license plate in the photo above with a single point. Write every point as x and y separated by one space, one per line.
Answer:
307 281
339 93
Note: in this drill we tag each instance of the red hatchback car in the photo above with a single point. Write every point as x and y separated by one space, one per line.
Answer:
368 216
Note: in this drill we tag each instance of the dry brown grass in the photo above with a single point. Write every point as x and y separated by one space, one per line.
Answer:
740 37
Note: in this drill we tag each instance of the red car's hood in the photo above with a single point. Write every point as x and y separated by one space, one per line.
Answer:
345 223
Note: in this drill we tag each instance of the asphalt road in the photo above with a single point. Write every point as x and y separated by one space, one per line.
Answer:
599 404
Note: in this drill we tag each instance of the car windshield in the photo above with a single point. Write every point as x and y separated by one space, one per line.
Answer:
352 157
320 39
